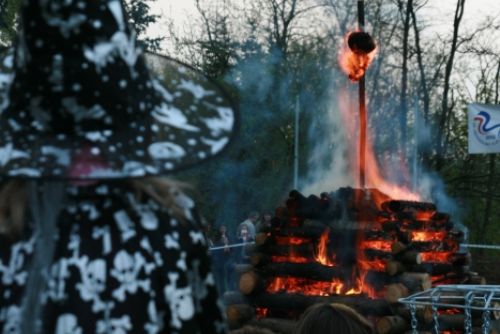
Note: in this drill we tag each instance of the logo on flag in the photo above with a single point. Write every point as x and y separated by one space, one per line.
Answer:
484 128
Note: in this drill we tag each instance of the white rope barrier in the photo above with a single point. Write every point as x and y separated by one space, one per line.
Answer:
495 247
243 244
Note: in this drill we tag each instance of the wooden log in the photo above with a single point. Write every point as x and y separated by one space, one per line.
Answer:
454 322
398 247
311 207
409 257
395 291
286 301
416 282
251 282
376 235
375 254
423 313
438 269
411 224
397 206
260 260
313 271
392 325
424 246
393 268
276 325
239 314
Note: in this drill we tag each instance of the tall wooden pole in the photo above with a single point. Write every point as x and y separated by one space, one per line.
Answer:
362 106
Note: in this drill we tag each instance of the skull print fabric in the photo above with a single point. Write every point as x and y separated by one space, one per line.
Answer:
76 81
116 271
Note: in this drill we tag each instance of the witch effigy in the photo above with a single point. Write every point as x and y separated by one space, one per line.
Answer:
92 239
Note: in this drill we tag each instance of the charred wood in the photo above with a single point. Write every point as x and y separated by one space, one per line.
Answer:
276 325
394 292
411 224
239 314
392 325
364 305
408 206
393 268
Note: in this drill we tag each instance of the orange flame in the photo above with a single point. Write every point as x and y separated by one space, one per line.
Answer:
375 265
382 245
373 175
353 64
424 215
427 236
322 256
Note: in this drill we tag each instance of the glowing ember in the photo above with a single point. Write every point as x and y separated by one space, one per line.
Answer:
322 256
424 215
261 312
315 288
354 63
293 241
289 259
305 286
427 236
375 265
382 245
436 257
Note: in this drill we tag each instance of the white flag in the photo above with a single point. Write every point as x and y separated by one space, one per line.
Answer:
484 128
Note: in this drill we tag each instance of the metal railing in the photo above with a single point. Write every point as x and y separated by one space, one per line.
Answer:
482 298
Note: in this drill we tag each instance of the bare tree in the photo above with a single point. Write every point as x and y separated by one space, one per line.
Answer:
445 107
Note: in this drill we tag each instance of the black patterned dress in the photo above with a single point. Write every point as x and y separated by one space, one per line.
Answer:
121 266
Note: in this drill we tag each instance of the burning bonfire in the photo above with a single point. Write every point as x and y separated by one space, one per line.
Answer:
356 247
364 247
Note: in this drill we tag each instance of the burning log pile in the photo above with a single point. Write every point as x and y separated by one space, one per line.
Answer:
355 247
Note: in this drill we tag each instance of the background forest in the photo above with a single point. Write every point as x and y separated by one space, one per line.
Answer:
280 56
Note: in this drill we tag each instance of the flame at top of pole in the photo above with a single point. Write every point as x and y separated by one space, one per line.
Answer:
356 54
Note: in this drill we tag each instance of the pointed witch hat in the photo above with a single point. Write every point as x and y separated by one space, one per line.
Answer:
80 90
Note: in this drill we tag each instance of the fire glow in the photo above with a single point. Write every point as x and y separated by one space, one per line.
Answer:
374 177
426 236
322 254
289 259
354 63
436 257
310 287
294 241
381 245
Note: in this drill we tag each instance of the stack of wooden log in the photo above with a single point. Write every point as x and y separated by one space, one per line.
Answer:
356 247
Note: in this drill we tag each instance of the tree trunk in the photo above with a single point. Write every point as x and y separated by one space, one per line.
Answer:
443 117
404 80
